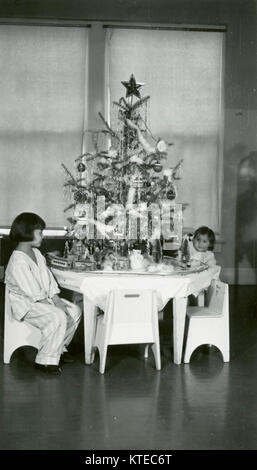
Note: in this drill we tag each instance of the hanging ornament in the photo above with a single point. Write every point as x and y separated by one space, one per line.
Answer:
171 192
161 146
81 195
157 167
81 167
170 195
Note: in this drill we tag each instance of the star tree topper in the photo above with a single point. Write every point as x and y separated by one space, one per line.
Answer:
132 87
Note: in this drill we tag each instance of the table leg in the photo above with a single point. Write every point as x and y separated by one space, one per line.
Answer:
90 311
179 317
200 299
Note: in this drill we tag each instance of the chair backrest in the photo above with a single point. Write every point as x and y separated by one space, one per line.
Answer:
7 305
217 294
132 305
131 314
11 322
8 308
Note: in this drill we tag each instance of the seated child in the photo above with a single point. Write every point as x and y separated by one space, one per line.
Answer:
201 246
34 297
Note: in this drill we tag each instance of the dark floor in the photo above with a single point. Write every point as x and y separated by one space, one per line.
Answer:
204 405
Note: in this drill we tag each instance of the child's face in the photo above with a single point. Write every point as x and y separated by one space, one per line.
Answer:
38 237
201 242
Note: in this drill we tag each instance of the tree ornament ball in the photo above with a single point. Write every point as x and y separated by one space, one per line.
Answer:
81 167
157 167
170 194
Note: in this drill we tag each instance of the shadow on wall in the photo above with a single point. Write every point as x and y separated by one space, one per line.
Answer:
246 220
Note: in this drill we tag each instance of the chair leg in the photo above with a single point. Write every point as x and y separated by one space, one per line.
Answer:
190 347
7 349
225 355
157 355
102 354
189 351
200 299
7 356
160 315
187 357
191 342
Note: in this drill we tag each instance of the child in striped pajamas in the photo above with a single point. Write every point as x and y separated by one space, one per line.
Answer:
33 294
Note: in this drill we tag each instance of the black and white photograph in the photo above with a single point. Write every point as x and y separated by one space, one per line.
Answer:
128 228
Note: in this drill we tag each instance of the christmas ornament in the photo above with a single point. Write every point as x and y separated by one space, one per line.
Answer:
80 195
132 87
157 167
171 193
161 146
81 167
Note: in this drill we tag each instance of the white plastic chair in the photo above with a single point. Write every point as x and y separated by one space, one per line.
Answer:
17 333
131 316
210 325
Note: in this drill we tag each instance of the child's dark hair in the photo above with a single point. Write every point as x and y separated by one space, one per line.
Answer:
210 234
24 225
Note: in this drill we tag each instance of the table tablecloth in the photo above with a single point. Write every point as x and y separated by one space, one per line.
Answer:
97 286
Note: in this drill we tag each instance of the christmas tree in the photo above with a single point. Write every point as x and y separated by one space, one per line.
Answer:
129 176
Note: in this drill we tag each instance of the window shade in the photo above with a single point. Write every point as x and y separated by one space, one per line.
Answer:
182 72
42 95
